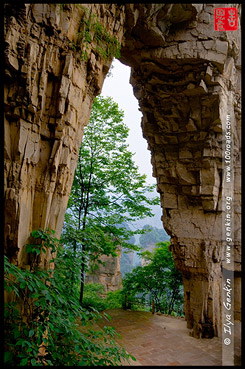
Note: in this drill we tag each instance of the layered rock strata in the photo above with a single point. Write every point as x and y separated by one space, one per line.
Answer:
186 78
49 92
107 272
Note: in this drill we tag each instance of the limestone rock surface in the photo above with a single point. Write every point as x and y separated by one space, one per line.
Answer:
107 272
48 95
186 78
187 82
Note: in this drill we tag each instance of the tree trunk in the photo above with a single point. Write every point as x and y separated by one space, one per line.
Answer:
153 307
82 279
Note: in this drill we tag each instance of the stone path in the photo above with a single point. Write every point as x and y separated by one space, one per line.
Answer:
160 340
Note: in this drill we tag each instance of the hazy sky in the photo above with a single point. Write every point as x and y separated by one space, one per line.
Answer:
118 87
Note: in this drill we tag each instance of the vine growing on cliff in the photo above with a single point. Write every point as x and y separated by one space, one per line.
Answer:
93 35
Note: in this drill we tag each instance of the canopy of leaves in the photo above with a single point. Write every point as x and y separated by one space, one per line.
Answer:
107 187
159 278
108 191
152 236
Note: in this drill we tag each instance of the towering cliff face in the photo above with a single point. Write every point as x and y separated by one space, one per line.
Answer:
107 272
186 78
49 93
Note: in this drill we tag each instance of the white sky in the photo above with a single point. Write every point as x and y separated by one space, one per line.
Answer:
118 87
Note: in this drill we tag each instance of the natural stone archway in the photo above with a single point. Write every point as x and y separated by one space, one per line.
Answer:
185 77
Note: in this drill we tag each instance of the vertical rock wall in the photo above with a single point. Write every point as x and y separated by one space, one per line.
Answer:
49 92
107 272
186 78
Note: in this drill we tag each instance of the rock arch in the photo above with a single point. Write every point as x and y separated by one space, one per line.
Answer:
186 78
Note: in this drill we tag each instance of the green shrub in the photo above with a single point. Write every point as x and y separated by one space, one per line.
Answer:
114 299
158 279
93 299
45 314
91 304
92 32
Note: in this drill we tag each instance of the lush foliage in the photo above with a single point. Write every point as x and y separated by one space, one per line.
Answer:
108 191
126 262
92 34
96 298
44 322
152 236
158 280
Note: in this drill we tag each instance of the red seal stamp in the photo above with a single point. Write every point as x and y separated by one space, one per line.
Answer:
225 19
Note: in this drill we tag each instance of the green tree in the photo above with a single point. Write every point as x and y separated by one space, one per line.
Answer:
152 236
107 191
53 319
159 278
126 261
